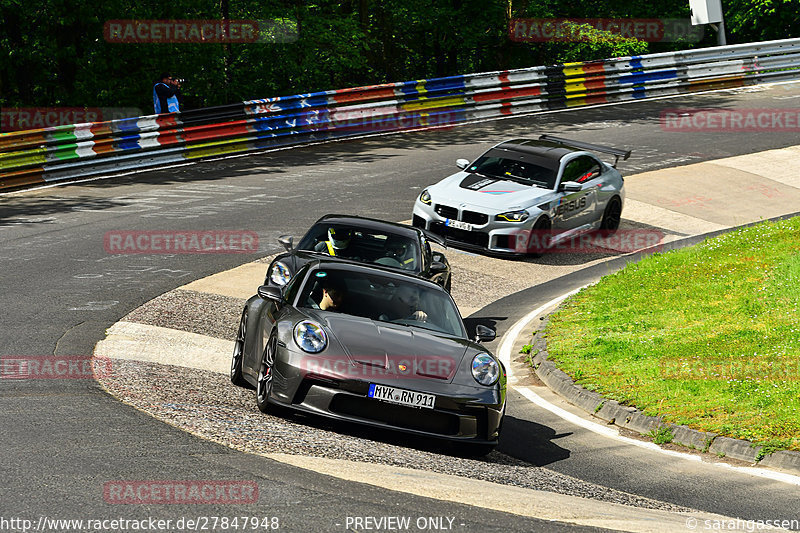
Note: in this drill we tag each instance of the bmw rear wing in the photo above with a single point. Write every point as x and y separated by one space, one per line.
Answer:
616 152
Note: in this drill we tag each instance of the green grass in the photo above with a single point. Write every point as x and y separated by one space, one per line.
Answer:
662 435
707 336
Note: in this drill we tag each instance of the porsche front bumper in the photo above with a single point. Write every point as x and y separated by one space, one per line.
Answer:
461 413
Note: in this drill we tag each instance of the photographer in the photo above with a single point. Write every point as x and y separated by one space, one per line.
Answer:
165 94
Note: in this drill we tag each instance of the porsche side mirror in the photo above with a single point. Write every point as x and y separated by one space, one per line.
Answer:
268 292
570 186
462 163
437 267
287 241
484 333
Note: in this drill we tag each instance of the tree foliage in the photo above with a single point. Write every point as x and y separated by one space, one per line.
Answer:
762 20
54 52
593 44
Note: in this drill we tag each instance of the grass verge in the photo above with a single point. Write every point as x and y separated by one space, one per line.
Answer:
707 336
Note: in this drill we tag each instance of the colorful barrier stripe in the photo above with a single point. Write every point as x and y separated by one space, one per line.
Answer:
78 150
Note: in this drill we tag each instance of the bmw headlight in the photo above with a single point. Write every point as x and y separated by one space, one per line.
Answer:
280 274
310 336
513 216
425 197
485 369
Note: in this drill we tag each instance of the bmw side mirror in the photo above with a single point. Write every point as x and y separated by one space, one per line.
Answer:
571 186
462 163
268 292
484 333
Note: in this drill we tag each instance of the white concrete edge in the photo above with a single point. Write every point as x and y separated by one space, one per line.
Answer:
519 501
504 354
165 346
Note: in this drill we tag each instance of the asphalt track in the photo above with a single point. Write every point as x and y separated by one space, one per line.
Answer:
62 440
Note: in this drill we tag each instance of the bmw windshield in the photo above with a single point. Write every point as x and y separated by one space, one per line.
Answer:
498 165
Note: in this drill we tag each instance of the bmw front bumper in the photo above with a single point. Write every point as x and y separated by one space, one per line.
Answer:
473 228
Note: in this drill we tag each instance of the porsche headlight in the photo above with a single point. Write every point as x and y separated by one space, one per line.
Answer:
425 197
485 369
310 336
280 274
513 216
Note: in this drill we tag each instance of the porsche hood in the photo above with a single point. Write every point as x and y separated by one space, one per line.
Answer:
390 351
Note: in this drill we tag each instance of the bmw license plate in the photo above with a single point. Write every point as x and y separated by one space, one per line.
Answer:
401 396
449 222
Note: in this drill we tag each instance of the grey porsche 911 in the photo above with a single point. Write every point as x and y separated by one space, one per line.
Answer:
374 346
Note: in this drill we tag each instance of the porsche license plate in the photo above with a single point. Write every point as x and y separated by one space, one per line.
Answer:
457 224
401 396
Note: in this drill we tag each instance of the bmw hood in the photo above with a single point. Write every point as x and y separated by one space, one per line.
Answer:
493 194
378 349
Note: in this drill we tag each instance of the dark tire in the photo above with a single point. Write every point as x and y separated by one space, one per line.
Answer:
238 354
264 383
611 216
537 236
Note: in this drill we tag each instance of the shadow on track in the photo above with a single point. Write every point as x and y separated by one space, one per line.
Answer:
531 442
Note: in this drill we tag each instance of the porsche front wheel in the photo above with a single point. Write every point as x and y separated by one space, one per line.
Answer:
238 353
264 383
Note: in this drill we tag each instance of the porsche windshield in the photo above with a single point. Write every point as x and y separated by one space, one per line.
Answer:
381 298
363 245
527 172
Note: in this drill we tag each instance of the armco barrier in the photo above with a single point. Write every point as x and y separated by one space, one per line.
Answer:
66 152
